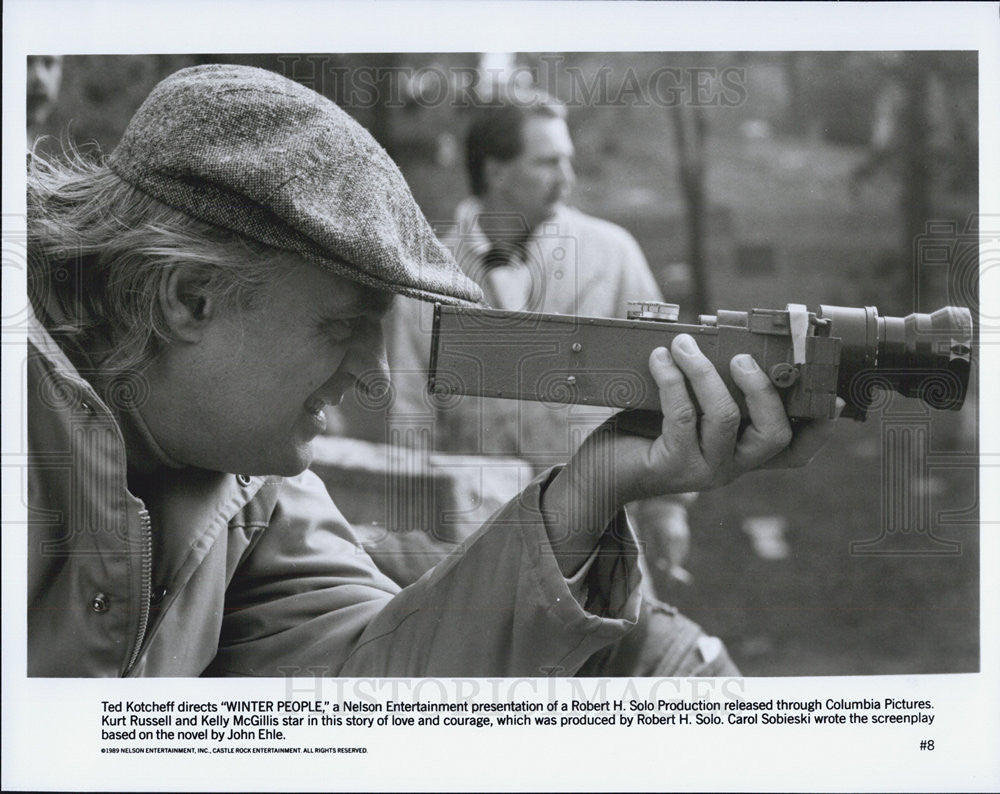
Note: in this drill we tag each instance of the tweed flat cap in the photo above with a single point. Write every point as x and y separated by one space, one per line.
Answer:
261 155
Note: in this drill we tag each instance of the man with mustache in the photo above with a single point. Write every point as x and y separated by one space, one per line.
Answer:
198 298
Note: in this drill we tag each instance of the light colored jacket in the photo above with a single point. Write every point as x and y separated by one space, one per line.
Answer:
571 264
228 575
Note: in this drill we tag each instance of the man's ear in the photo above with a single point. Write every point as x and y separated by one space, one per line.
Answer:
185 303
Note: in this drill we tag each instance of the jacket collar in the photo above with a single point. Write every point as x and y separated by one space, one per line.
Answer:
191 506
474 242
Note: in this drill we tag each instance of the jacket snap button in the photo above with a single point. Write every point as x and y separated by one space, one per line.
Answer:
100 603
87 408
243 479
158 594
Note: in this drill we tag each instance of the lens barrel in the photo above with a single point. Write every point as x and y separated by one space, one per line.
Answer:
921 355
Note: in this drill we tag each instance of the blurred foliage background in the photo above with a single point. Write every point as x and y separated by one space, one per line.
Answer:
750 180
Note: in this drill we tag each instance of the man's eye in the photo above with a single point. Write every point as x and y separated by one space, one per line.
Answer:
339 330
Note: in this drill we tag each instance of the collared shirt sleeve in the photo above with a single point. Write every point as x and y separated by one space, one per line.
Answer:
309 600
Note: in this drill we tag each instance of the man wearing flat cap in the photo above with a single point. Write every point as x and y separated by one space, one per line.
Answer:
198 298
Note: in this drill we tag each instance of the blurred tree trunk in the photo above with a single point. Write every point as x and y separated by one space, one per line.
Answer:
795 115
914 142
689 134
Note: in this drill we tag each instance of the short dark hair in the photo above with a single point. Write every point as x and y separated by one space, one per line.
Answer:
495 131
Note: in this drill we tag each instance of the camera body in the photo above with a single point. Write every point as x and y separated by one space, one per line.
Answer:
811 357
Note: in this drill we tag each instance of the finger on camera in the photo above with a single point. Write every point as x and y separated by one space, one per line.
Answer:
809 438
764 405
720 420
680 417
720 414
769 431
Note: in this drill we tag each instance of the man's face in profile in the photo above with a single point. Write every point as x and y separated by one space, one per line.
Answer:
538 181
243 390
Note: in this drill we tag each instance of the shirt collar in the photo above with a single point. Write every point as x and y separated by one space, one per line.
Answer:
473 244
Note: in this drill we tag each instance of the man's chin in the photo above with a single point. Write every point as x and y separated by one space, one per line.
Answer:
290 466
295 468
553 209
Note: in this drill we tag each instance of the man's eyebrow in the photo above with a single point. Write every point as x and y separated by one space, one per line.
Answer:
370 301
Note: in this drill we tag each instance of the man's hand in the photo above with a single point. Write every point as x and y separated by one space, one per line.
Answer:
703 444
701 452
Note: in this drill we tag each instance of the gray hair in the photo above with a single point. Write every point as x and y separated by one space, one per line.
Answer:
98 250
